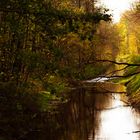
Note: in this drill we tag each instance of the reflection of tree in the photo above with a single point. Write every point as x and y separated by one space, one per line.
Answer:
80 118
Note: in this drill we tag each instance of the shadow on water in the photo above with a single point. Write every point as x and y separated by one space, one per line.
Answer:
90 116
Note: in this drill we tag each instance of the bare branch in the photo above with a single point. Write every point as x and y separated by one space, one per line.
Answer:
112 72
123 76
118 63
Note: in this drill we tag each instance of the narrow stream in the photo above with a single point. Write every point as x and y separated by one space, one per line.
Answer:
90 115
95 116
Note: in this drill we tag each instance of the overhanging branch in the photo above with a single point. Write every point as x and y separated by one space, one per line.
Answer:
118 70
117 63
123 76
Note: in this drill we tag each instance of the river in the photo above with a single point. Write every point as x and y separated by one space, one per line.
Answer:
90 115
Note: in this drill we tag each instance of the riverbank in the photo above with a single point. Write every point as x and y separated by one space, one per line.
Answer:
134 99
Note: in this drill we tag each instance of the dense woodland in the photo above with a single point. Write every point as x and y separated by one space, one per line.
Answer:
129 52
48 46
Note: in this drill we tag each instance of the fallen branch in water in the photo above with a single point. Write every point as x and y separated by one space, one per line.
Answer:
134 132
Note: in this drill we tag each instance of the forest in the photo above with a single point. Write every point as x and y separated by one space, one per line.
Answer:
48 47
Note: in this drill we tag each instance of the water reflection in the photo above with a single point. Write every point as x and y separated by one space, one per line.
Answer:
96 116
90 115
119 123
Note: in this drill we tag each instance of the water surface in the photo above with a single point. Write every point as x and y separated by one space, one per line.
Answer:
95 116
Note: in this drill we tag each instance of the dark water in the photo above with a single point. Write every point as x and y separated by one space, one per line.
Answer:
94 116
89 114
